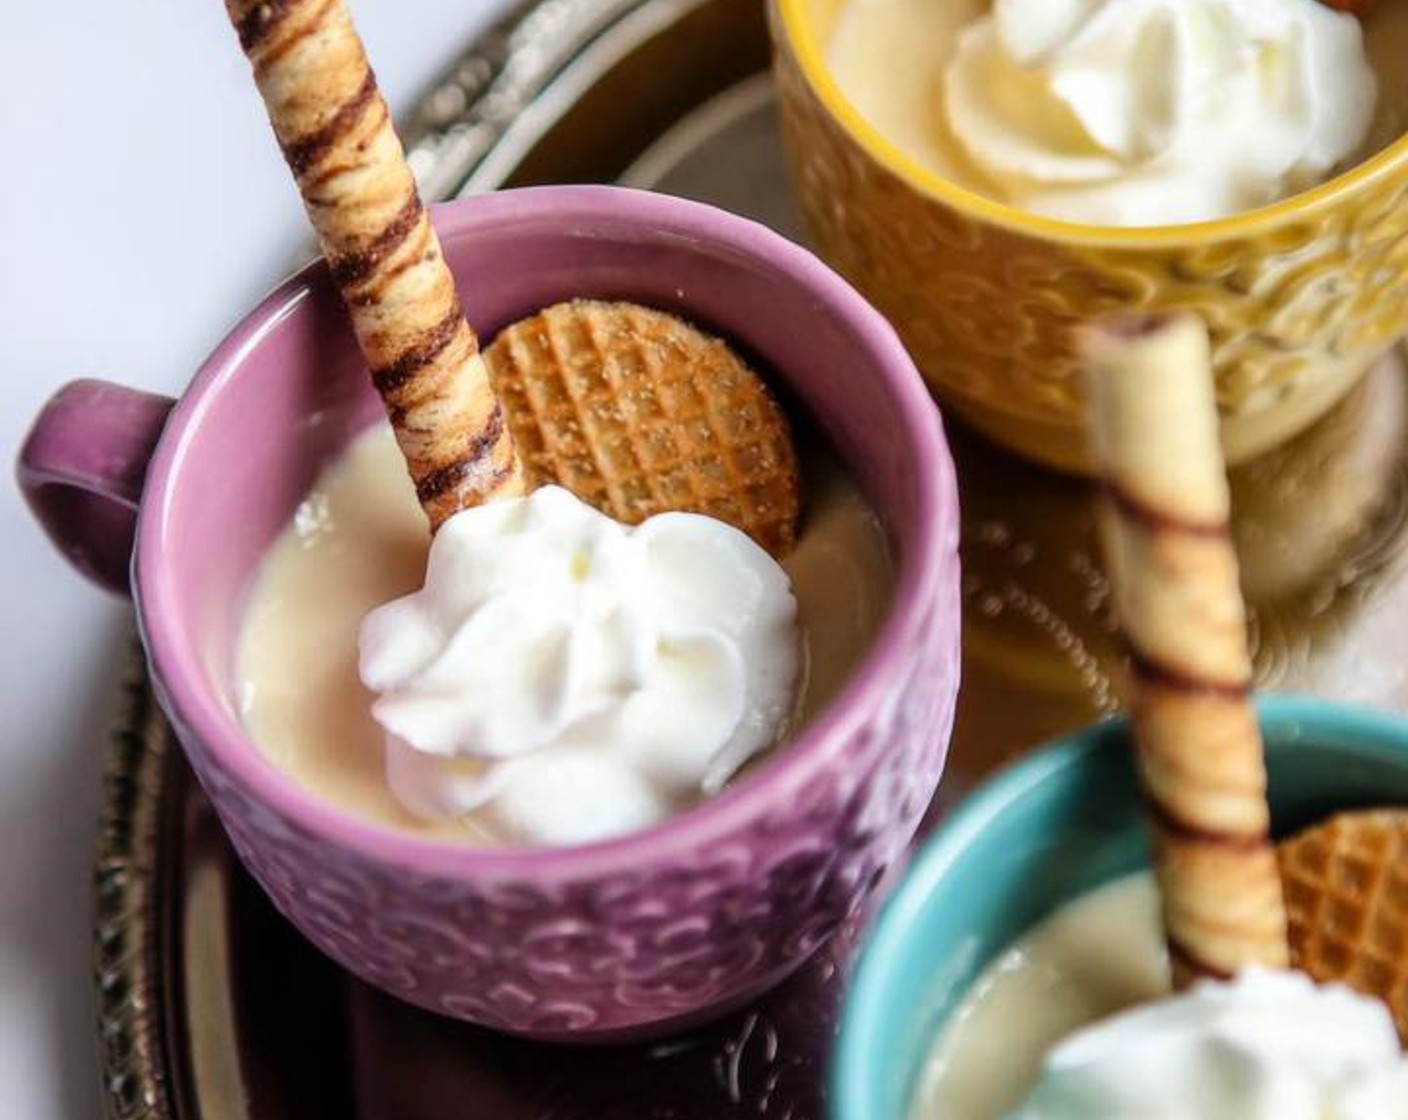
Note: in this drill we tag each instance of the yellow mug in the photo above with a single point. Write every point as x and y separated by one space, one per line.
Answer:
1301 297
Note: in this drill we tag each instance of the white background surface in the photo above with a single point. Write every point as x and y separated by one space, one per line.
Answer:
143 209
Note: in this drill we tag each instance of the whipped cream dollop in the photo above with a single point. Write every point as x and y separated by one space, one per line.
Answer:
1266 1046
1150 112
576 678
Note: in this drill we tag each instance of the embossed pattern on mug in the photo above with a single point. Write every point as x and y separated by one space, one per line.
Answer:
660 937
988 311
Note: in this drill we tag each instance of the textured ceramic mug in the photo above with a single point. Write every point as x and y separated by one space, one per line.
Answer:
608 940
1300 297
1062 822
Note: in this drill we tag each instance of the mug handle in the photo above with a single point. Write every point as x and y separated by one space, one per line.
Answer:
81 470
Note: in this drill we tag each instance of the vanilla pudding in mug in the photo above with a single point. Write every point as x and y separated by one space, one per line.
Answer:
360 540
1020 971
1123 112
993 173
1097 956
659 928
1076 1021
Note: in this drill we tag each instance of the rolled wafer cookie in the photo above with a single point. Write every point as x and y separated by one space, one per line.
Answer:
337 136
1346 883
1164 523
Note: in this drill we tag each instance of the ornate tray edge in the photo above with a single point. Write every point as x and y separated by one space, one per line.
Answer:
461 119
126 938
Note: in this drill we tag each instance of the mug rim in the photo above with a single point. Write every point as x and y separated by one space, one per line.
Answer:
918 587
803 42
1283 717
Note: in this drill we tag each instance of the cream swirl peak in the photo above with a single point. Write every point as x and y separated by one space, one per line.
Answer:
1152 112
577 678
1267 1046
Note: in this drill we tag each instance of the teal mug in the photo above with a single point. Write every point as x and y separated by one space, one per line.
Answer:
1056 825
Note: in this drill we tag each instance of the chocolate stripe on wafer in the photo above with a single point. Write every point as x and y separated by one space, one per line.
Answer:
355 267
1167 822
308 150
1153 672
1164 522
260 21
1187 963
1157 519
418 353
436 484
337 136
297 21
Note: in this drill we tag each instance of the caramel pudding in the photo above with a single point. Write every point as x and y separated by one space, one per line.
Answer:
359 539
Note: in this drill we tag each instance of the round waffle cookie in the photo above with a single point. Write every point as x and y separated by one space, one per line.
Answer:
1346 884
639 413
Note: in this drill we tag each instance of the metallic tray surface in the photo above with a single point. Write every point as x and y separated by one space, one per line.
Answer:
212 1007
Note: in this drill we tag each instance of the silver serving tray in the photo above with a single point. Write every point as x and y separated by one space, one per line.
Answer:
210 1006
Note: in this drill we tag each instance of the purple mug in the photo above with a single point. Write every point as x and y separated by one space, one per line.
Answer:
626 938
